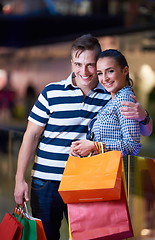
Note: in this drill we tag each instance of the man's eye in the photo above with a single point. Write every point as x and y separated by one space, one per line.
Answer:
77 64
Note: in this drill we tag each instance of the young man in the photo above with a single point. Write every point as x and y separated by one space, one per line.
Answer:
61 115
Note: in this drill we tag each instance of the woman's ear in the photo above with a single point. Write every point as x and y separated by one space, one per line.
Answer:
126 70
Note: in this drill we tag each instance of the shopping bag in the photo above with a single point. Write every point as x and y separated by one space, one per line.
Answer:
105 220
29 224
69 230
35 226
89 179
29 228
40 229
10 228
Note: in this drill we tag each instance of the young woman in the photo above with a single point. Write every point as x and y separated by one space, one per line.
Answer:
110 129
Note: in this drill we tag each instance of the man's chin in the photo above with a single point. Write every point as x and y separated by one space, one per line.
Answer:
86 82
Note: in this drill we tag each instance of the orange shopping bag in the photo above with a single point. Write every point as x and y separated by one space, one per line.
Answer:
89 179
40 229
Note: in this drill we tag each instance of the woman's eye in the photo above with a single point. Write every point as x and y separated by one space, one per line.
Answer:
92 65
111 71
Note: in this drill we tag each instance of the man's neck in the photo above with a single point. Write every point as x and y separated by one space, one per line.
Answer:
84 89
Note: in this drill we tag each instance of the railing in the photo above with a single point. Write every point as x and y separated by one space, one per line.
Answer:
140 176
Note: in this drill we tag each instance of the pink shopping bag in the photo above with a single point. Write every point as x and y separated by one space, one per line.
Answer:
106 220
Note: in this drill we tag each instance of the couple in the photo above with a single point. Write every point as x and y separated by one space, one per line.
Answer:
61 115
110 128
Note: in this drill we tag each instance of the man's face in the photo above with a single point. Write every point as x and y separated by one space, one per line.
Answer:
84 67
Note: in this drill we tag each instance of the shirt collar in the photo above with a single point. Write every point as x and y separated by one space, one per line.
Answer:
124 89
98 87
69 81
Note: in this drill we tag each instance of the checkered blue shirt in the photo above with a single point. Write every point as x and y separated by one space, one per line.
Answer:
112 128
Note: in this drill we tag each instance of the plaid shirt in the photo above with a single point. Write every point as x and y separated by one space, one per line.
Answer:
112 128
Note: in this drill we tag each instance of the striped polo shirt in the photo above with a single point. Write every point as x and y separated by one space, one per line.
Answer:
65 113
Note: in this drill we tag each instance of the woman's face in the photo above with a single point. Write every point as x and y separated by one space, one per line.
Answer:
111 75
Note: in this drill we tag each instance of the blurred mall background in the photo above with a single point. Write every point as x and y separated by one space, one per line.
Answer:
35 40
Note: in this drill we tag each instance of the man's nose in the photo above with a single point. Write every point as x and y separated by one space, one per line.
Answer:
84 70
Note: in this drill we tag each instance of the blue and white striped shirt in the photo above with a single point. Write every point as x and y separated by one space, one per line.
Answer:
65 113
112 128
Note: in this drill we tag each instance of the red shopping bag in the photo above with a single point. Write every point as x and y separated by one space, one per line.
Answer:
106 220
10 228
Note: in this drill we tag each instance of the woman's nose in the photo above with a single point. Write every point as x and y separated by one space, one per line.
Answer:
104 77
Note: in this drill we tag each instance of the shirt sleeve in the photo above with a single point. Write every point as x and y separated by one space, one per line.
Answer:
130 133
40 112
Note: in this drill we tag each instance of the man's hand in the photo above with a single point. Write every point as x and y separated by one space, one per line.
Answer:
21 192
133 110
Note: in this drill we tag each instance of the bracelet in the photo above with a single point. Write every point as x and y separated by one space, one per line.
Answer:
96 147
100 147
146 119
104 147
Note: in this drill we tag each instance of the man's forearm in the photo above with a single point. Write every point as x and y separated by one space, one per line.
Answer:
26 153
28 147
24 157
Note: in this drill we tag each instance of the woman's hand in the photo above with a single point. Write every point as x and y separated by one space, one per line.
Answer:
82 148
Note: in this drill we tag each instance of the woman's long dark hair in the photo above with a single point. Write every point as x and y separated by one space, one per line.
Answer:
119 58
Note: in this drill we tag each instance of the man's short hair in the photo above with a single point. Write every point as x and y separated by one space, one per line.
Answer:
85 42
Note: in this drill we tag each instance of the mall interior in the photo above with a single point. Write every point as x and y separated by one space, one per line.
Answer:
36 36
